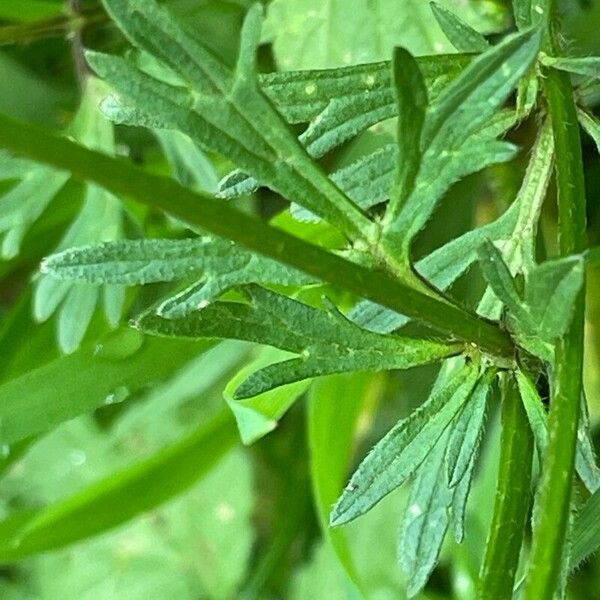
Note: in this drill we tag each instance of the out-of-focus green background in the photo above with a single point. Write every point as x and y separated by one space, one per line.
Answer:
249 528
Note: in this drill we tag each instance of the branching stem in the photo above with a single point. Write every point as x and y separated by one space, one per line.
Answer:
206 212
558 467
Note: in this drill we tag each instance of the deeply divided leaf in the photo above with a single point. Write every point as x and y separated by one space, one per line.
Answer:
214 265
426 519
398 455
324 342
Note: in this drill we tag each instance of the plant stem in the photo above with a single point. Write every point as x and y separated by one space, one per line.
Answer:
26 33
513 496
558 467
77 48
215 216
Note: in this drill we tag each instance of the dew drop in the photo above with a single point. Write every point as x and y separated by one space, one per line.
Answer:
119 395
225 512
77 458
120 345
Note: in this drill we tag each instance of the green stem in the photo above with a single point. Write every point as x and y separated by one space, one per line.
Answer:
557 470
25 33
215 216
513 496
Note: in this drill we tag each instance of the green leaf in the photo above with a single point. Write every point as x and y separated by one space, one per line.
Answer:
592 256
325 341
190 165
217 264
588 66
214 514
586 531
467 430
522 13
99 219
442 268
260 414
585 459
219 109
411 97
590 125
426 519
134 490
86 380
398 455
12 167
340 103
465 106
26 201
462 36
369 180
519 246
536 414
461 495
221 220
311 34
331 455
550 292
471 99
500 279
527 95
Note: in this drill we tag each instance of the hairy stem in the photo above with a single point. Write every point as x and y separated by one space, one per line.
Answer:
204 211
558 466
513 496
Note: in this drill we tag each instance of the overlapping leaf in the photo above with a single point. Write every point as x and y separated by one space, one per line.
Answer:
99 219
467 431
588 66
24 203
442 484
259 415
514 232
223 111
325 341
586 531
213 264
545 311
440 443
399 453
340 103
590 125
466 104
426 520
585 459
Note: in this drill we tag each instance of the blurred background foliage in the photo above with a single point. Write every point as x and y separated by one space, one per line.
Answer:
206 516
